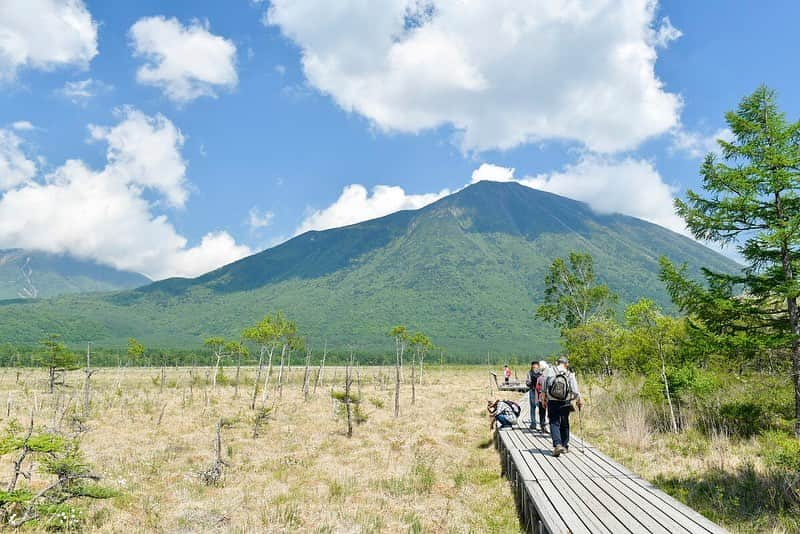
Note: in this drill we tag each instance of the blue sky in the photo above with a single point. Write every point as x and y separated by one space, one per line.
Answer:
242 122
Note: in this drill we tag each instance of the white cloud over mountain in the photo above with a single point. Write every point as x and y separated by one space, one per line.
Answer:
186 62
356 204
45 34
501 72
105 214
609 185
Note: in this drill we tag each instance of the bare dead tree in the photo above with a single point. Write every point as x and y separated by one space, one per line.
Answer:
318 381
348 381
413 377
214 474
24 451
87 393
305 375
258 374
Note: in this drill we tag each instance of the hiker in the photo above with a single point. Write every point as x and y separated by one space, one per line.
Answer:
503 412
534 395
506 373
561 389
540 388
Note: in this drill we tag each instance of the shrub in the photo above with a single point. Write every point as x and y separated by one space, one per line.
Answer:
742 418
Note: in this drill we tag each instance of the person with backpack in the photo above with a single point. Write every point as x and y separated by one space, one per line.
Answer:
561 390
503 412
534 394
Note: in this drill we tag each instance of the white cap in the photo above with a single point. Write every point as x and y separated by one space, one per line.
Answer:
543 364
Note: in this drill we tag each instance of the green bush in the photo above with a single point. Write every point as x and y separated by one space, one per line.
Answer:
742 418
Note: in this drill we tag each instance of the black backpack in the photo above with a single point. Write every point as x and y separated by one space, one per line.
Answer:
558 387
532 378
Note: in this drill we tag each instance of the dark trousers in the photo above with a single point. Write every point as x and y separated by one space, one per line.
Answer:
542 410
559 422
504 421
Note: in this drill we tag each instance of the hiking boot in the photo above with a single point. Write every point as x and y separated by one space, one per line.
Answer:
557 450
565 450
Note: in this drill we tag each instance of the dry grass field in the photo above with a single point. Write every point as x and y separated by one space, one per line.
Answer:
433 469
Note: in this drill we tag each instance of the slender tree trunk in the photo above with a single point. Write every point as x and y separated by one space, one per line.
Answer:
238 369
321 368
280 374
397 379
52 378
163 364
347 382
794 322
269 373
216 371
258 376
87 385
413 378
673 421
305 374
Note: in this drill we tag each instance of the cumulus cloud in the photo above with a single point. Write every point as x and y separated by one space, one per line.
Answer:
356 204
81 91
45 34
258 219
186 62
501 73
493 173
609 185
697 145
15 167
104 214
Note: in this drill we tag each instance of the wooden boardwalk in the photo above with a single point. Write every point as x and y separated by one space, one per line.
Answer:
586 493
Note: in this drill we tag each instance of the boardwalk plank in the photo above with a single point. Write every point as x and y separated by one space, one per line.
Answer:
589 492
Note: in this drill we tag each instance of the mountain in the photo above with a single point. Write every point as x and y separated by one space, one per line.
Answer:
467 269
29 274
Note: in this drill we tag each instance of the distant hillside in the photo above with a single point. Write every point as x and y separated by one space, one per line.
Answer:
468 270
28 274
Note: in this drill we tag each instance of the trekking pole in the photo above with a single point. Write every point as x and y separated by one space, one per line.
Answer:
580 423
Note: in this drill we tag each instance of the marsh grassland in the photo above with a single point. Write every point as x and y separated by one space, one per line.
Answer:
292 468
432 469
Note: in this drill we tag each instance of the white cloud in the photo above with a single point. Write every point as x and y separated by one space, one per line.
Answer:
22 126
501 72
104 215
45 34
145 151
629 186
186 62
15 167
696 145
258 219
81 91
356 204
666 33
493 173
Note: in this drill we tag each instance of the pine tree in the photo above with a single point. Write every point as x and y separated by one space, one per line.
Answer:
751 198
